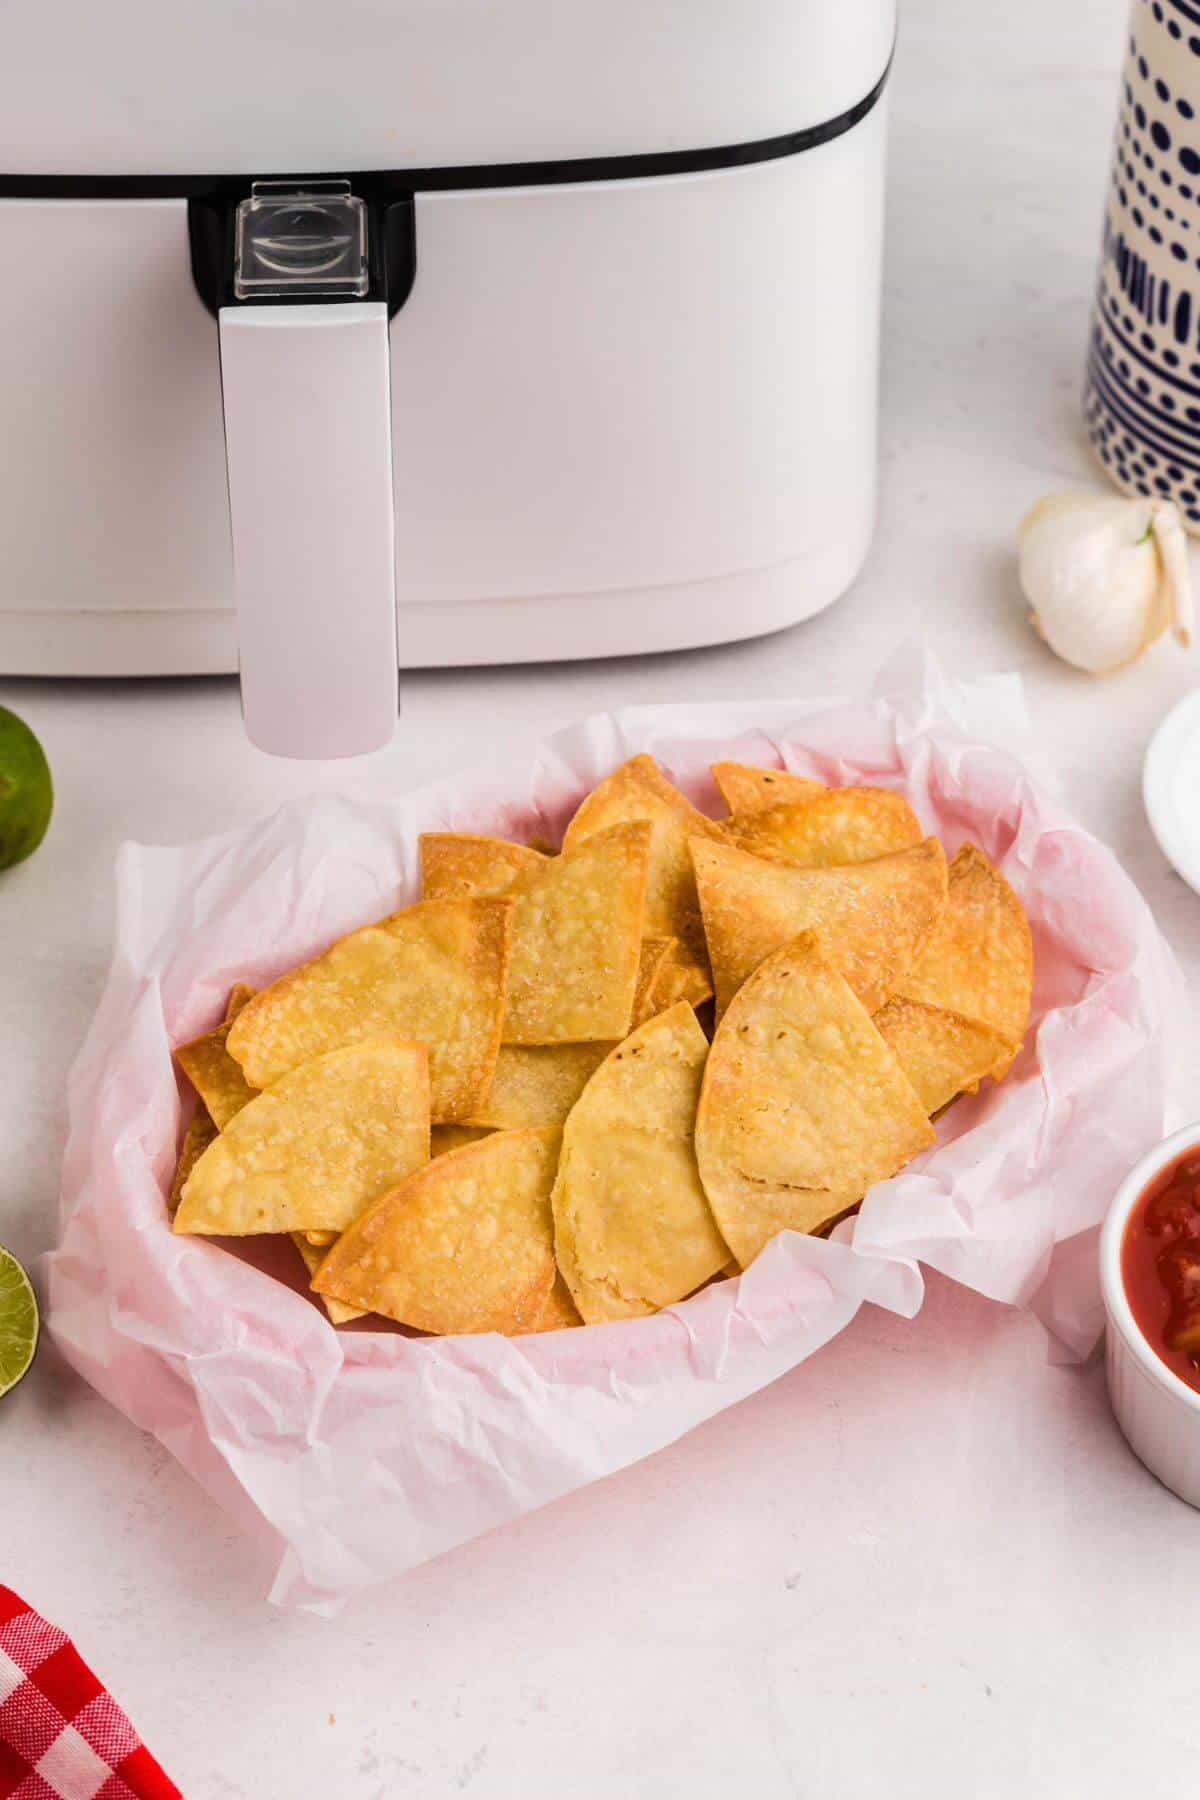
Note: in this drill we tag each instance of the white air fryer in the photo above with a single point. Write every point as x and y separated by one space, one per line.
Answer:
416 332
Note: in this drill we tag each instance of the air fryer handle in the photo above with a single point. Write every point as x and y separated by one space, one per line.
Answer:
308 444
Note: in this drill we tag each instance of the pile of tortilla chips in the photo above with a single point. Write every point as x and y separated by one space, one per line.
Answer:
565 1088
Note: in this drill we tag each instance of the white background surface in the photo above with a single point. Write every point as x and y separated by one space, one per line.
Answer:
924 1563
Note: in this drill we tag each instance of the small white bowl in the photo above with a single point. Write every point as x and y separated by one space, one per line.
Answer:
1158 1413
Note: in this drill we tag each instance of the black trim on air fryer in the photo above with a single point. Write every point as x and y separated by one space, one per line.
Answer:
387 185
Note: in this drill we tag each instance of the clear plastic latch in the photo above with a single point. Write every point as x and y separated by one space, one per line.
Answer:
300 240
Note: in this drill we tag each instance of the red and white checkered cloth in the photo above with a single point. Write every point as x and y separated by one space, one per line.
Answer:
62 1735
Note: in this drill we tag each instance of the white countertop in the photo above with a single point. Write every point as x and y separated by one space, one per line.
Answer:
805 1628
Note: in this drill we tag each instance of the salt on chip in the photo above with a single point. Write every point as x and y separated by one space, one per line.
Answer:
942 1053
803 1105
458 864
465 1245
324 1142
576 941
434 972
871 917
745 787
633 1231
979 960
312 1257
640 790
841 825
536 1085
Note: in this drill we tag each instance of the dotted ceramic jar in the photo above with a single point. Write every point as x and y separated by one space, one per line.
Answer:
1142 400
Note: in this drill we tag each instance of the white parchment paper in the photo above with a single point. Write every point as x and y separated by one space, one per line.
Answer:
358 1454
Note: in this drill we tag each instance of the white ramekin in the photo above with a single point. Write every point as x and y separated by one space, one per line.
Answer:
1158 1413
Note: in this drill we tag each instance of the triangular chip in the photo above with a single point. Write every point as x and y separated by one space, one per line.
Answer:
465 1245
941 1053
979 960
215 1076
677 981
434 972
444 1138
576 941
560 1312
313 1256
745 787
536 1085
871 917
201 1132
640 790
841 825
456 865
633 1230
325 1141
803 1105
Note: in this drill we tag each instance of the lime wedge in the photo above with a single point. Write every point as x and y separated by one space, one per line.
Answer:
18 1321
26 790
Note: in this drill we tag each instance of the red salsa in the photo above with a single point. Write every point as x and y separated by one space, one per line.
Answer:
1160 1266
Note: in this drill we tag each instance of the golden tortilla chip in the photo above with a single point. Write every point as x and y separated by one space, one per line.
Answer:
312 1257
655 956
240 994
942 1053
576 941
320 1239
465 1245
560 1312
842 825
640 790
677 981
633 1231
434 973
457 865
803 1105
201 1132
979 960
318 1147
871 917
745 787
536 1085
215 1076
444 1138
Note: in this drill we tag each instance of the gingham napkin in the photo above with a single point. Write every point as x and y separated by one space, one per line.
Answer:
62 1735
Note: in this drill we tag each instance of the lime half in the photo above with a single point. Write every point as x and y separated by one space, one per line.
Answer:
26 790
18 1322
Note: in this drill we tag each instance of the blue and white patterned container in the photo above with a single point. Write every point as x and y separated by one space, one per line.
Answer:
1142 400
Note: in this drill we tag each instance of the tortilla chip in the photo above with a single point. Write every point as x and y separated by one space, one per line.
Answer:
633 1231
677 981
465 1245
434 973
654 957
640 790
321 1240
311 1153
312 1258
536 1085
803 1105
576 941
201 1132
240 994
560 1312
979 960
942 1053
457 865
871 917
842 825
444 1138
745 787
215 1076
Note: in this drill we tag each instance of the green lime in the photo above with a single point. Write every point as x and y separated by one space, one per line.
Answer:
26 790
18 1321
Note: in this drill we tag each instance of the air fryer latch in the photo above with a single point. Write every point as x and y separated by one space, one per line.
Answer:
302 239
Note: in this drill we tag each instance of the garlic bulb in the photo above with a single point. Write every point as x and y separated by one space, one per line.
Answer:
1105 576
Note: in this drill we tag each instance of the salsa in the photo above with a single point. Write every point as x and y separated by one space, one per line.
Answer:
1160 1266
